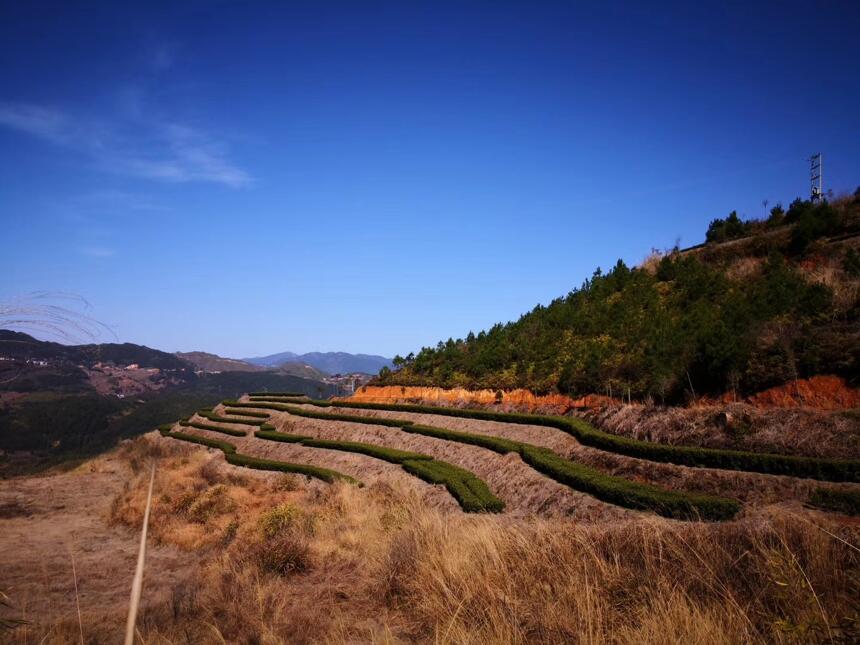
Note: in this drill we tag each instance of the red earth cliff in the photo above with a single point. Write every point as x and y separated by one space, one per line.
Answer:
818 392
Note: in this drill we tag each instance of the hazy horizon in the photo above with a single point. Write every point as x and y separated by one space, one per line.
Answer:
249 180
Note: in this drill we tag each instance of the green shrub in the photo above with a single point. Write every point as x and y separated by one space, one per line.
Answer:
352 418
211 428
279 398
247 413
379 452
276 394
328 416
227 448
279 519
274 435
211 416
212 502
840 501
496 444
851 263
165 428
324 474
471 493
731 228
623 492
230 533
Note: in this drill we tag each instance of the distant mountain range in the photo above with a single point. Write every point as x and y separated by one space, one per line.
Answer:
214 363
328 362
59 401
17 345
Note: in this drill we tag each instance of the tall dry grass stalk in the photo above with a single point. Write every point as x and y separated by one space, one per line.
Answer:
137 583
77 596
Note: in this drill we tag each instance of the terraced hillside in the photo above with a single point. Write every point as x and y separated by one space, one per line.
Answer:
512 463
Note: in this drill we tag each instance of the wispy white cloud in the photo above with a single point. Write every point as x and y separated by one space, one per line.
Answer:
151 149
36 120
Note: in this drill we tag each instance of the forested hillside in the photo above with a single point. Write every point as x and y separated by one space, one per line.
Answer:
761 303
59 402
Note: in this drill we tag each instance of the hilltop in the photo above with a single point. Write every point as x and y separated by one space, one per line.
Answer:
759 304
214 363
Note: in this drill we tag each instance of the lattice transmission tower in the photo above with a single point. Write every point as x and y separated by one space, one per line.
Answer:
816 165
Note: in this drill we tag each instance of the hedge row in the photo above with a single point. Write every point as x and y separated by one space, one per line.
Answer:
615 490
248 413
841 501
276 394
471 493
496 444
837 470
372 450
280 399
247 461
332 416
608 488
210 427
219 419
623 492
274 435
226 447
310 414
324 474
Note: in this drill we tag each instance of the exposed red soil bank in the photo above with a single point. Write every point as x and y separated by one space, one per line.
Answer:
520 399
819 392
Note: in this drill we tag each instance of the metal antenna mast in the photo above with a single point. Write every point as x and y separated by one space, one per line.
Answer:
815 171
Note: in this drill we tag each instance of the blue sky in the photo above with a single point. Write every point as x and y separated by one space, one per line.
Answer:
246 178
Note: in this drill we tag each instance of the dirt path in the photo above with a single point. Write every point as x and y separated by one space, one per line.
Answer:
45 519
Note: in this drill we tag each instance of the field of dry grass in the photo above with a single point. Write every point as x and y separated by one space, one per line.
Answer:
793 431
245 556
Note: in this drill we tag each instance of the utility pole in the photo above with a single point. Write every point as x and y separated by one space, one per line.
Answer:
816 165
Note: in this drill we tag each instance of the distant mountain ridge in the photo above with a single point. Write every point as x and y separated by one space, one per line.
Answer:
328 362
59 401
19 345
214 363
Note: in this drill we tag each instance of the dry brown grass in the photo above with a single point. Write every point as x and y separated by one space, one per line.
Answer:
636 582
794 431
291 561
